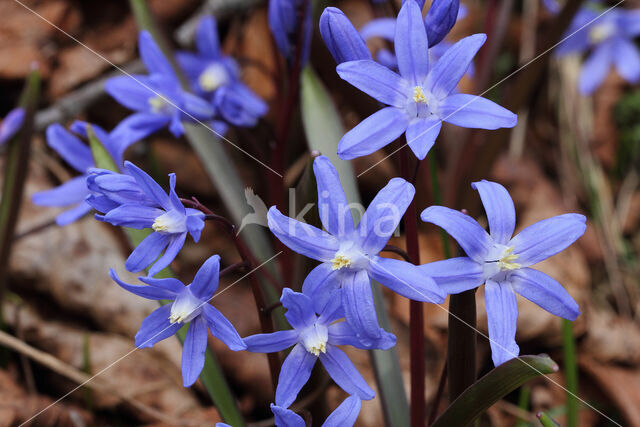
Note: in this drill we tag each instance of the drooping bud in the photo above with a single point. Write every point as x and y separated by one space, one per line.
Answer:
284 21
11 124
342 39
440 19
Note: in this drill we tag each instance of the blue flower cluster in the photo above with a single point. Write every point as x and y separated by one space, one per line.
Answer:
335 306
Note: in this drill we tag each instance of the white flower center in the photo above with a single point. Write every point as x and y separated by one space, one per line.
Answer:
500 261
349 255
420 102
185 307
170 222
159 104
315 338
601 32
214 76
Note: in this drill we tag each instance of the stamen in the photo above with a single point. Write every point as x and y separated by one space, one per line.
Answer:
599 33
160 225
506 261
319 348
340 261
157 104
418 95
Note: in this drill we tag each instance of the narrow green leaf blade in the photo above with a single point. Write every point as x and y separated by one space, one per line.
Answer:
493 387
323 129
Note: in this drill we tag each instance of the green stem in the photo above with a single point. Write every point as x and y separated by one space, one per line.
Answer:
571 372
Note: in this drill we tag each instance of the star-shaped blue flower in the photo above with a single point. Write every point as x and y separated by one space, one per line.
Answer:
157 98
344 415
610 39
502 262
216 77
164 214
315 337
349 254
190 305
420 97
78 155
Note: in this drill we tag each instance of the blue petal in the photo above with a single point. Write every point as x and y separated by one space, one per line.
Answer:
11 124
342 371
359 309
627 60
422 134
472 111
342 333
270 343
441 17
114 147
71 192
502 316
282 18
176 242
449 69
193 349
286 418
380 27
320 284
156 327
222 329
455 275
545 291
342 39
547 237
176 204
630 22
207 41
133 216
294 374
383 215
69 147
300 313
332 310
148 292
346 414
374 132
406 279
195 224
239 105
465 230
193 65
301 237
138 126
501 214
595 69
334 210
149 186
132 92
169 284
386 58
146 252
73 214
196 108
175 125
205 283
153 57
411 44
375 80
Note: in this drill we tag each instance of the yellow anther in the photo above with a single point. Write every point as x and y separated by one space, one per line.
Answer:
157 103
160 225
599 33
339 262
208 81
418 95
317 349
506 262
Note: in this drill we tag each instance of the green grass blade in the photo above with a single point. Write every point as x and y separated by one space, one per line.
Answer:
546 420
492 387
570 372
323 129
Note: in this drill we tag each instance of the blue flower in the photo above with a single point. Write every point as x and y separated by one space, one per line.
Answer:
135 200
78 155
349 255
157 98
442 16
315 337
11 124
610 39
344 415
420 98
502 262
288 32
216 77
342 39
190 304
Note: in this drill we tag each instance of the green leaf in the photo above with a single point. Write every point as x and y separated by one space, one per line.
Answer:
570 372
546 420
323 129
492 387
15 173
